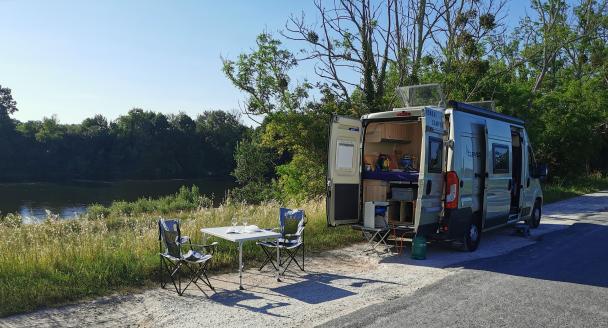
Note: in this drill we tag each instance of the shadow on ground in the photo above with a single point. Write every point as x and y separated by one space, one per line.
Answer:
574 255
310 288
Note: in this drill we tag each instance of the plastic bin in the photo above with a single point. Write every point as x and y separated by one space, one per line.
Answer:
374 214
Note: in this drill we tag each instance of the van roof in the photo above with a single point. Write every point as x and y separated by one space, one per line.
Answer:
476 110
399 113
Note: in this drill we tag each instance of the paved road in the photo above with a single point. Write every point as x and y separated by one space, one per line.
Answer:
562 280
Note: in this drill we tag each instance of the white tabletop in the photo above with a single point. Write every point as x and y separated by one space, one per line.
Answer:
243 235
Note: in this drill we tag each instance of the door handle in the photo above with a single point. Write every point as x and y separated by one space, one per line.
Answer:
528 183
509 185
429 185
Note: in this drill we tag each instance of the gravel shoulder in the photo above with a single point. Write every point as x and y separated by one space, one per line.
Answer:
336 284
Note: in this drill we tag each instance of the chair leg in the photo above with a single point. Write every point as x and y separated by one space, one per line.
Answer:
173 270
269 259
160 270
198 274
292 258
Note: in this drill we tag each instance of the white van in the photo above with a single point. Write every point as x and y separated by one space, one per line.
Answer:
446 173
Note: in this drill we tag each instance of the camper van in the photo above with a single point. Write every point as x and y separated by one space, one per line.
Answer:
444 171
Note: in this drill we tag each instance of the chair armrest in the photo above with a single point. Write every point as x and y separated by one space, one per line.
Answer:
211 248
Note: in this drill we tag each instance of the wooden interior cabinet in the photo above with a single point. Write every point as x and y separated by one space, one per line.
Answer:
385 131
374 190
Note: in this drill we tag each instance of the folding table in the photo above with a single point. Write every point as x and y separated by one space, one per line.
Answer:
376 238
241 235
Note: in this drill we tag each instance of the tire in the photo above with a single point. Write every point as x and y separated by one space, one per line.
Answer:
472 237
535 216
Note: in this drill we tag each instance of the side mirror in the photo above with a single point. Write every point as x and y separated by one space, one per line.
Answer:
541 171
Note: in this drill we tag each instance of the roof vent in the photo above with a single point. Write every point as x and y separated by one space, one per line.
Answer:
421 95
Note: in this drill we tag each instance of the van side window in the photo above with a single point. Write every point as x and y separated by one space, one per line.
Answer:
500 158
435 155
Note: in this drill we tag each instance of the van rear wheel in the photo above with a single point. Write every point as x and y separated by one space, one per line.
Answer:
535 216
472 237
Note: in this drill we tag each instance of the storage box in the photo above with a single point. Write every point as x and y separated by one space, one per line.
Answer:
374 190
403 194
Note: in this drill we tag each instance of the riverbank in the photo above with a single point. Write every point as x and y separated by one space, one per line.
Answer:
336 284
69 199
116 248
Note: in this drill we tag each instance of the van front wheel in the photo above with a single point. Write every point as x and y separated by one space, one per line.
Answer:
472 236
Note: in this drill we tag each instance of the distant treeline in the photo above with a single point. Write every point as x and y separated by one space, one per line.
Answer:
138 145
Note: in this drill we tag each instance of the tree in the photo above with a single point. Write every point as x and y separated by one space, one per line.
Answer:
263 76
7 104
349 38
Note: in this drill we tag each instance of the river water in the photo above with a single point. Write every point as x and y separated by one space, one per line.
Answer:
32 200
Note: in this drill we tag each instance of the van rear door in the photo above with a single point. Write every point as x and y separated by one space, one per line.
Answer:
343 171
432 168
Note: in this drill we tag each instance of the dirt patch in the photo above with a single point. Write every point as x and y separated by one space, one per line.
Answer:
335 283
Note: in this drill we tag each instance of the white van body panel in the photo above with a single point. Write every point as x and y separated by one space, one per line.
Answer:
478 146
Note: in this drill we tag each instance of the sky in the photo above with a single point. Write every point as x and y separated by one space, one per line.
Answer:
77 59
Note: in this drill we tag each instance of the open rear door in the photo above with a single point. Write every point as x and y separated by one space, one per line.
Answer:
343 171
432 167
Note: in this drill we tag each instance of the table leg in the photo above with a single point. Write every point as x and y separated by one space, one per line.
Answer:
241 265
278 262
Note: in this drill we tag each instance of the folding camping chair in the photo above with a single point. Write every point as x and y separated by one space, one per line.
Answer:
193 262
292 223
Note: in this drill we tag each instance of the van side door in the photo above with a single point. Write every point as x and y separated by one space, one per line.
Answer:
499 182
432 167
527 190
343 171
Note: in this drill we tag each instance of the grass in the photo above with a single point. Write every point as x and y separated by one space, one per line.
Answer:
560 188
116 249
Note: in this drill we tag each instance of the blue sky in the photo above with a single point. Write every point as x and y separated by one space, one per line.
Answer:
81 58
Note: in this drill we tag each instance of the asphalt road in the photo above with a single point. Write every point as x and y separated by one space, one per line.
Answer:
562 280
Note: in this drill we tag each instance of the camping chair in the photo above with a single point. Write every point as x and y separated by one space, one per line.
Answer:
292 223
175 261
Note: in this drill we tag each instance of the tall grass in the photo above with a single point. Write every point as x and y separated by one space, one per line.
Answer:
116 248
563 188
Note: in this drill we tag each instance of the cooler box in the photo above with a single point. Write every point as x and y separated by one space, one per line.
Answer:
375 214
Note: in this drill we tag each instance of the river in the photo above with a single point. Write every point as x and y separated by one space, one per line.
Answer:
32 200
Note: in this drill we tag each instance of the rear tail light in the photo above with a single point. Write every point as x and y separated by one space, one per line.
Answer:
451 190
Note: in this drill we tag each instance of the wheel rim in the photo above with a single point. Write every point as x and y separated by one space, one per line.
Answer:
473 233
